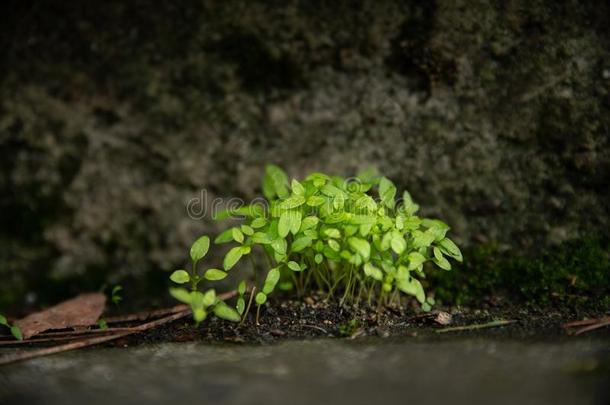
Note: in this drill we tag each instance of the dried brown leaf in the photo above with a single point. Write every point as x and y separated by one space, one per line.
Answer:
81 311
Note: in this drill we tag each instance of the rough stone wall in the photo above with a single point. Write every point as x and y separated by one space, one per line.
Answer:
495 115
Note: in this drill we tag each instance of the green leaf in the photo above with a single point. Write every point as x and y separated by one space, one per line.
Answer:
275 182
199 314
450 249
386 241
373 272
301 243
284 225
16 332
332 233
238 236
241 306
360 246
252 210
315 200
412 286
180 294
318 258
443 263
200 248
209 298
224 311
258 222
309 222
102 323
362 220
292 202
280 246
365 229
409 206
387 192
262 238
224 237
273 276
196 300
247 230
334 245
241 289
3 320
260 298
297 188
295 222
398 243
438 255
422 239
294 266
232 257
285 286
180 277
214 274
336 217
416 259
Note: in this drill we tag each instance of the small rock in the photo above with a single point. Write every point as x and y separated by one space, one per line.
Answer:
277 333
382 332
443 318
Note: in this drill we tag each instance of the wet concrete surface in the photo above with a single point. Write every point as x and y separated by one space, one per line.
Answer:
453 370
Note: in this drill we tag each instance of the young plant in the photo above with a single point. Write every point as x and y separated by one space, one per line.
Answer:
201 302
15 331
339 235
115 295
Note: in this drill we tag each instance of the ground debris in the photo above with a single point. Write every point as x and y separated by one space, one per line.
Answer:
587 325
491 324
438 317
81 311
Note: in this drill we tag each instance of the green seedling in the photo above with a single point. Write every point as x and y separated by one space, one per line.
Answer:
336 235
15 331
115 295
348 329
201 303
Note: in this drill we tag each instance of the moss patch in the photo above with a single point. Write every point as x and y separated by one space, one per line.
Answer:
573 273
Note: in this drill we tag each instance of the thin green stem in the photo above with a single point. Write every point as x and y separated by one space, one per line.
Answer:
243 318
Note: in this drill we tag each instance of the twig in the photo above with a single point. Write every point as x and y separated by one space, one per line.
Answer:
146 315
42 340
12 358
316 327
599 324
141 316
89 341
492 324
584 322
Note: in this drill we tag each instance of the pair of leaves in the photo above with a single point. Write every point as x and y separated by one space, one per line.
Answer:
200 302
182 276
290 222
15 331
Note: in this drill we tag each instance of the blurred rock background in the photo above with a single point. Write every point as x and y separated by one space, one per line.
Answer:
113 115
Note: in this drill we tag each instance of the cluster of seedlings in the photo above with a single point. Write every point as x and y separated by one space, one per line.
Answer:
347 237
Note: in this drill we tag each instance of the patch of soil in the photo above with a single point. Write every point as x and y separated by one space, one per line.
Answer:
317 317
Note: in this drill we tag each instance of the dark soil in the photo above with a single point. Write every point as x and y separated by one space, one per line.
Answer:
316 317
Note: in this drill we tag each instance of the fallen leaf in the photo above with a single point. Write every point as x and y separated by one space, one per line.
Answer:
81 311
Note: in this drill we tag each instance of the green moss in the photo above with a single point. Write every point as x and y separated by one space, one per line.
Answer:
573 273
576 270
